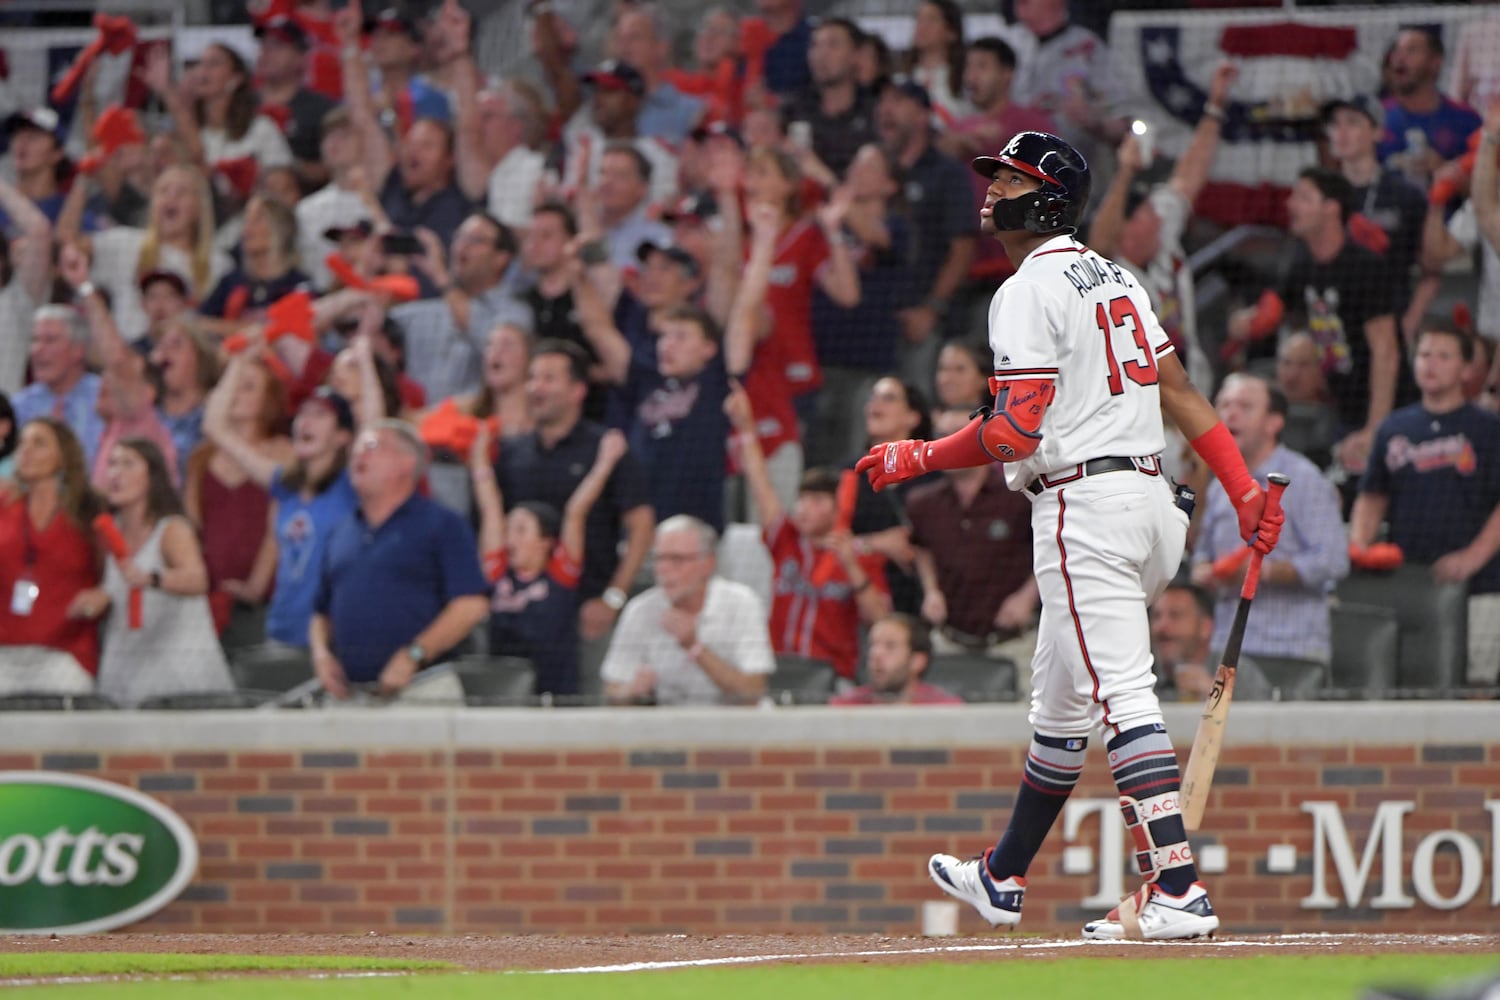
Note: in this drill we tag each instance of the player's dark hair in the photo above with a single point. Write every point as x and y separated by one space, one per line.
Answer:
702 320
1200 596
1443 328
562 212
578 362
626 147
918 633
854 31
820 479
997 47
1332 185
1431 35
548 520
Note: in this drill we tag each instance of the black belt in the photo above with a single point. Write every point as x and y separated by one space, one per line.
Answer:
1093 467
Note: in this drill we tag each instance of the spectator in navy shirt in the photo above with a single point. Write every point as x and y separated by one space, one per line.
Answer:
534 558
1434 477
839 115
267 271
400 585
784 63
1423 127
673 398
944 228
547 464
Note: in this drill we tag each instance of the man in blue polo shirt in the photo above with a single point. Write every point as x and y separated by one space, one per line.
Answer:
401 584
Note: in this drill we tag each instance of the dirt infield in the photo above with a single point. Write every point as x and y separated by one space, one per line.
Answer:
673 951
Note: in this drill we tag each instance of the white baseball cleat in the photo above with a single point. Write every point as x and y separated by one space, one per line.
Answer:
970 881
1160 915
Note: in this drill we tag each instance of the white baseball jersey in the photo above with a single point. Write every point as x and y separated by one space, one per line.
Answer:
1085 322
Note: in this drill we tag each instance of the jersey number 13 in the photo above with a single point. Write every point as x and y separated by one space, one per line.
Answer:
1119 312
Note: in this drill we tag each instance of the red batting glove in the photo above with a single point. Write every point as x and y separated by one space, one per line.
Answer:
888 464
1249 509
1268 531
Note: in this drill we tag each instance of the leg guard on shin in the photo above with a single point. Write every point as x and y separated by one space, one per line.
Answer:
1151 858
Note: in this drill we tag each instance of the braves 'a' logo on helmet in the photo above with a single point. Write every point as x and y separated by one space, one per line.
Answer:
1059 203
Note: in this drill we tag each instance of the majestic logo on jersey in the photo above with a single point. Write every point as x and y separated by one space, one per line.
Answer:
1454 451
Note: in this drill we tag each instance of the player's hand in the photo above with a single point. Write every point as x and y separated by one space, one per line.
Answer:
888 464
1268 531
1249 509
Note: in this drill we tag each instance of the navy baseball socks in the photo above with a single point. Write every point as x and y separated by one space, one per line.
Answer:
1172 903
995 882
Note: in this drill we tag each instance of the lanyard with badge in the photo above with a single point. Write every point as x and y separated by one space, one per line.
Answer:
23 596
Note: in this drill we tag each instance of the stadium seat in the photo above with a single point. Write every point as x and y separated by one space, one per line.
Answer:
801 680
973 676
46 702
1433 619
270 667
1366 640
496 680
1293 679
194 701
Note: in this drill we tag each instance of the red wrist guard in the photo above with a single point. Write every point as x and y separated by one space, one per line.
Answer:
960 450
1216 447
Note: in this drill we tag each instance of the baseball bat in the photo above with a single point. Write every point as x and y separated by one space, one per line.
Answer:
1198 779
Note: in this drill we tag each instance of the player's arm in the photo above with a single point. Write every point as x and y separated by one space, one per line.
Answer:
1007 433
1200 424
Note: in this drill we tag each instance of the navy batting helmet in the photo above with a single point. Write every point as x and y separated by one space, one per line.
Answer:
1058 204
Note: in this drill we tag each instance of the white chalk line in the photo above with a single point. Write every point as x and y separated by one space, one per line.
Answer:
1283 941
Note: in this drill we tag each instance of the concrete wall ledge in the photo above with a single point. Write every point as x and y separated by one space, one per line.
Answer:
1303 723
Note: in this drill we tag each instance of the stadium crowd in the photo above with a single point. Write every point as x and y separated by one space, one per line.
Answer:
343 349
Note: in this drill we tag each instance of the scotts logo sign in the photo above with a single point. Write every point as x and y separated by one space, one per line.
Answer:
79 855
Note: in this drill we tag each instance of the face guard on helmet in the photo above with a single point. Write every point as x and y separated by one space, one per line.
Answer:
1059 203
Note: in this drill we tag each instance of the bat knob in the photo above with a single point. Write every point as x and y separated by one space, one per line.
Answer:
1279 479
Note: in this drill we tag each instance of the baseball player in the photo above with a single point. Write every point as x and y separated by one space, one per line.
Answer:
1083 371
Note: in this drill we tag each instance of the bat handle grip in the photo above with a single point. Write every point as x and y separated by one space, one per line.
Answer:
1276 484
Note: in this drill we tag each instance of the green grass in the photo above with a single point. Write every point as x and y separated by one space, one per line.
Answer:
110 963
1254 977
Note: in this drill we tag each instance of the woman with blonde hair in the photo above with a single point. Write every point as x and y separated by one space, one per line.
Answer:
268 268
49 566
171 648
179 237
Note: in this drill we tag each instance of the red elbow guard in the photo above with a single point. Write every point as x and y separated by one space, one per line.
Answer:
1013 431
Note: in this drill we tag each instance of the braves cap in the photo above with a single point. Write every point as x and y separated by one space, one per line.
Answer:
1365 104
361 228
395 20
283 29
41 119
674 253
909 88
691 206
718 130
612 74
325 397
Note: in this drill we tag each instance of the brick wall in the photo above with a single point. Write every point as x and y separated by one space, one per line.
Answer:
726 839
